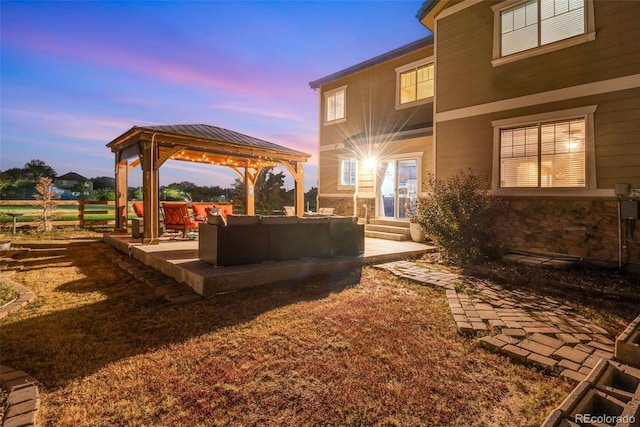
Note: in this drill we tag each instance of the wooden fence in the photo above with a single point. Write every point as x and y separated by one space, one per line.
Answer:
68 213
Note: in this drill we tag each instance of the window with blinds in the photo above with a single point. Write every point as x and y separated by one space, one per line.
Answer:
416 84
544 155
540 22
348 172
335 105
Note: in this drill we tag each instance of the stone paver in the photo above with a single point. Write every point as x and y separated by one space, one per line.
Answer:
547 340
572 376
568 338
514 332
517 353
571 354
567 364
23 398
536 347
523 326
492 343
541 361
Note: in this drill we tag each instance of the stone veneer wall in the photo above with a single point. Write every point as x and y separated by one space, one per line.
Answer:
585 228
344 206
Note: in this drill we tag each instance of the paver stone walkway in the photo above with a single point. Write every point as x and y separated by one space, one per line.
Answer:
528 328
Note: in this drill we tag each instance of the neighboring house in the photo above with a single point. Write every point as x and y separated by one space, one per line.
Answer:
72 180
543 96
375 145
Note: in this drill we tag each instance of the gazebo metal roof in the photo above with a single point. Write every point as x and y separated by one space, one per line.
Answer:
208 144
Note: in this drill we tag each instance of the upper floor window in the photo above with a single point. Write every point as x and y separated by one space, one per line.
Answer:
415 82
545 154
535 25
335 104
348 172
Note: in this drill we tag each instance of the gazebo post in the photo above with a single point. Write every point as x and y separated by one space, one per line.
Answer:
122 171
150 193
299 188
249 188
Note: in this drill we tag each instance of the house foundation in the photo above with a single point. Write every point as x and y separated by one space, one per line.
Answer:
579 227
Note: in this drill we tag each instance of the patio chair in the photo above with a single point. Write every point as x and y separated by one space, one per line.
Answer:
138 208
176 217
326 211
225 209
200 211
289 211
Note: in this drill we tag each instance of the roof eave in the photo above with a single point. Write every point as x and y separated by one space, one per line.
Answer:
387 56
429 10
126 135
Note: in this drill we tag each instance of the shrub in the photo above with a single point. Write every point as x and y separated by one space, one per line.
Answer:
459 216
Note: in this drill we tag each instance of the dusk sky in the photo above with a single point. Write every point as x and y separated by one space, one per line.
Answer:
75 75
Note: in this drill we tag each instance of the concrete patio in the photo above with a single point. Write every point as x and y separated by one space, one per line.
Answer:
178 259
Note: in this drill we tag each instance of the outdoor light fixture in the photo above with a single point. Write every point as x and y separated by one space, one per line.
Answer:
369 162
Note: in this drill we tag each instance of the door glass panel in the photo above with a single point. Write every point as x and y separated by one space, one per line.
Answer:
388 191
399 187
407 185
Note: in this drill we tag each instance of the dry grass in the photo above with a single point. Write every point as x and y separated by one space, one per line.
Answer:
368 349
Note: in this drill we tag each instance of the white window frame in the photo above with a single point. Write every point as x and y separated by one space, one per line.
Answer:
587 36
325 104
353 172
587 114
408 67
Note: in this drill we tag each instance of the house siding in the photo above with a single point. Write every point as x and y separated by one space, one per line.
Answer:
371 97
467 143
371 111
465 49
468 86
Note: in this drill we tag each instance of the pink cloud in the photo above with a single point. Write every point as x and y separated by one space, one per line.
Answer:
257 111
96 128
233 75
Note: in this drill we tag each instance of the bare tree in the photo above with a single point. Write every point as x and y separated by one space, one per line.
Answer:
47 197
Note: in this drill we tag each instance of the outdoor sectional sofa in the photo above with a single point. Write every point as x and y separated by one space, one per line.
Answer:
255 239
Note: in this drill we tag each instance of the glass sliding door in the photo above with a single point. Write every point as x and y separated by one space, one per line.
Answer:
399 187
388 191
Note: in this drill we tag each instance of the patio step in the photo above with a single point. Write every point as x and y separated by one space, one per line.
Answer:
385 236
390 222
388 229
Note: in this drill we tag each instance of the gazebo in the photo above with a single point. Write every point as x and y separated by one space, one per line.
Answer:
151 146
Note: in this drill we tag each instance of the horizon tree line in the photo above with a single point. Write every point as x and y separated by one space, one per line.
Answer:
271 195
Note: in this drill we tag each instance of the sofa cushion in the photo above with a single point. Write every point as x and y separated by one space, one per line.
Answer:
243 220
314 220
278 220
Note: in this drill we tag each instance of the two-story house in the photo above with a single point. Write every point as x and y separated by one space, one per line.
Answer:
543 96
375 139
71 180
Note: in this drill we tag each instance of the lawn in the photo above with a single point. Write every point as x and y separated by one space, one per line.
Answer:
63 212
368 349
